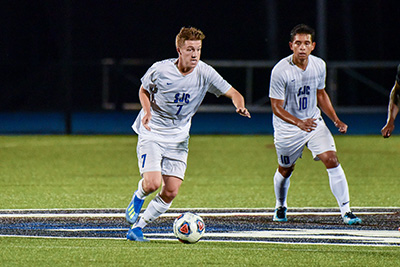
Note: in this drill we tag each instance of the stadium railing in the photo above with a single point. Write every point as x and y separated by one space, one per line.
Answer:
255 83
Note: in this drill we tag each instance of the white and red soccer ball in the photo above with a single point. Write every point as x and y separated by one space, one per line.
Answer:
189 227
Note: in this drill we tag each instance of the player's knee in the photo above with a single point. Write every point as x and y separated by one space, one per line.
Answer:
286 171
331 162
151 185
168 196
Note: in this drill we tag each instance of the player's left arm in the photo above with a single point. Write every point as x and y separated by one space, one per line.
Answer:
238 102
324 102
393 110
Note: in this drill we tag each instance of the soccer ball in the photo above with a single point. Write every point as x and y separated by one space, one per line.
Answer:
189 227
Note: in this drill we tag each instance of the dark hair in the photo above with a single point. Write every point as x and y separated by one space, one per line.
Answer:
302 29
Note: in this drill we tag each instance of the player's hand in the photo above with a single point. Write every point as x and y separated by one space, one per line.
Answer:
387 130
244 112
307 125
145 121
342 127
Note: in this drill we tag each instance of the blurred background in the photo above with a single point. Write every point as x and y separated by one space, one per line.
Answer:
70 66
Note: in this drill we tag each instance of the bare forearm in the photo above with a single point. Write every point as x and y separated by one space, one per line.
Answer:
284 115
236 97
238 102
393 108
307 125
144 98
325 104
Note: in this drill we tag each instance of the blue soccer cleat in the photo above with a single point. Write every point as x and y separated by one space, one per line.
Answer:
136 234
280 215
349 218
133 210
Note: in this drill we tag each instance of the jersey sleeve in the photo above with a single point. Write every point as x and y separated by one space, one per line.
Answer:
322 78
277 84
150 77
218 86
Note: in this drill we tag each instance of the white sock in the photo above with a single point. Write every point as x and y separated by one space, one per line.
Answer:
281 186
339 188
140 192
156 207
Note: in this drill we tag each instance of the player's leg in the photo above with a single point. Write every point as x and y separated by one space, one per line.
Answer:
173 171
281 185
157 206
339 186
163 200
150 182
337 180
149 162
322 146
173 167
287 157
281 188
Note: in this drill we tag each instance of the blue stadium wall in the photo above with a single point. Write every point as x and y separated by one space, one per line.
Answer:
203 123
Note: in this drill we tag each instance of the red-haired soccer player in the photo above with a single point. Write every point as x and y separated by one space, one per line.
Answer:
170 94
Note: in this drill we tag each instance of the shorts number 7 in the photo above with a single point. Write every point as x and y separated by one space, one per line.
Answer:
143 159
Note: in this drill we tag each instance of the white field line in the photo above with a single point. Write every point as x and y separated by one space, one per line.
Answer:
373 238
167 215
205 209
278 232
215 241
89 229
384 236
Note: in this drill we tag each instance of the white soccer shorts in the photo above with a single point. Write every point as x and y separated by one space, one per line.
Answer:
289 150
167 157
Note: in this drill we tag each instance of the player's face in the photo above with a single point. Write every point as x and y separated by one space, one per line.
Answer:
189 53
302 46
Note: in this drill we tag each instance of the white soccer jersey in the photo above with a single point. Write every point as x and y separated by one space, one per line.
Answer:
175 98
298 88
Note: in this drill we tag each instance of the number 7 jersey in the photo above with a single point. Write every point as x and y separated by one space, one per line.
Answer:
298 88
175 98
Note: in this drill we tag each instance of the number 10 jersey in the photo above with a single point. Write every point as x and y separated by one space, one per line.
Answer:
298 88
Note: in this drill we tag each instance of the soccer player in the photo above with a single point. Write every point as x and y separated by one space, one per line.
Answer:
171 92
297 86
393 108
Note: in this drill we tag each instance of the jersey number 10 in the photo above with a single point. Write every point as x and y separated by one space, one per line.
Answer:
302 103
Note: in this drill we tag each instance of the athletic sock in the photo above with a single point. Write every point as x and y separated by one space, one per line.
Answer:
156 207
339 188
281 186
140 192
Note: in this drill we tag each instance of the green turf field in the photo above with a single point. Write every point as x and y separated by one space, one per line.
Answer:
46 172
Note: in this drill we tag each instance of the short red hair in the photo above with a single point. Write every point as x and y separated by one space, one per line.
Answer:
188 33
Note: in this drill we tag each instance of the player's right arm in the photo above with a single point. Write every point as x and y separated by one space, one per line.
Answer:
393 110
307 125
144 97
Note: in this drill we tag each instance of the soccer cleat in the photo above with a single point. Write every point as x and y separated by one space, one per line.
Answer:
133 209
136 234
349 218
280 215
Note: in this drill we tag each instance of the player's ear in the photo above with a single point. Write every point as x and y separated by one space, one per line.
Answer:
178 50
313 44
